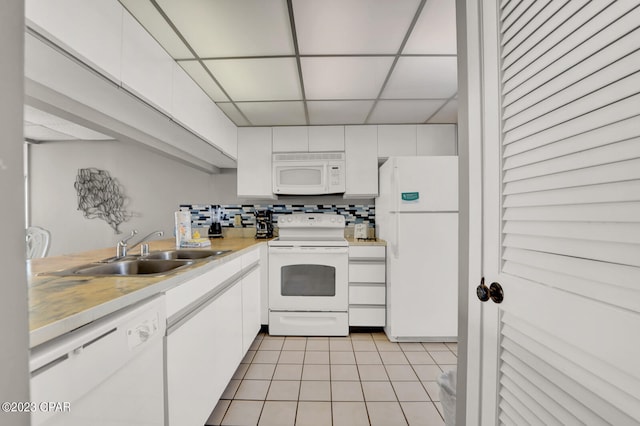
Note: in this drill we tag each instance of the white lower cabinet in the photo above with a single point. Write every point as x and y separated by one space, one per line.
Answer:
227 336
207 339
250 307
201 356
367 286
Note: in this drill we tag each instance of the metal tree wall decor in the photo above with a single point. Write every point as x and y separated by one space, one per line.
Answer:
101 196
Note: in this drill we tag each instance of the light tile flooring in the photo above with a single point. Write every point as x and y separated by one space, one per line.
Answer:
362 379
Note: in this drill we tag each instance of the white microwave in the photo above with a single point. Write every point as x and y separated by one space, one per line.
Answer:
308 173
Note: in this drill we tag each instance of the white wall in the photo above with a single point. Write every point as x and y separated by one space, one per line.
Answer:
14 355
154 185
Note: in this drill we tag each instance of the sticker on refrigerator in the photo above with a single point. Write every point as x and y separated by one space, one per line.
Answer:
410 197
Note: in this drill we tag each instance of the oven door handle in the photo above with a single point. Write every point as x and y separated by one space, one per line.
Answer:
307 250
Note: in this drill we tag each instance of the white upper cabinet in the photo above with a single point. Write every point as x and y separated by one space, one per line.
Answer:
90 30
396 140
291 139
308 138
147 69
195 110
437 139
361 154
326 138
254 162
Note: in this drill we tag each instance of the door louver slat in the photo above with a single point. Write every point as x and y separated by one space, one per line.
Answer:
551 366
543 405
613 294
619 171
614 212
560 14
611 153
515 35
593 91
575 41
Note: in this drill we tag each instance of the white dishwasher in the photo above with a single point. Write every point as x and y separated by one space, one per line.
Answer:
108 372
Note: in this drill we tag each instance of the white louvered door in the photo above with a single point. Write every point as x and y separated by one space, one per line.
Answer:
561 225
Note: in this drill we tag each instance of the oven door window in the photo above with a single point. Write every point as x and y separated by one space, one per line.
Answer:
308 280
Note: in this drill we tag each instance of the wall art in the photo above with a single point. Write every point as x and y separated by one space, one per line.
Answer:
100 196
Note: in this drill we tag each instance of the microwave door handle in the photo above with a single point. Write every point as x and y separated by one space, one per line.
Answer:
327 178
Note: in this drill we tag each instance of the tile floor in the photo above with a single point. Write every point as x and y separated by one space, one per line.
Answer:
362 379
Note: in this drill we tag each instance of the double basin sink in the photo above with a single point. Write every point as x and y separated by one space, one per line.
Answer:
154 264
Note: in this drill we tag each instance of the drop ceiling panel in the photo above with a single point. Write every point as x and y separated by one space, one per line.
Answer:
403 111
338 112
344 77
268 113
257 79
157 26
422 77
200 75
232 112
352 26
225 28
448 113
435 30
345 51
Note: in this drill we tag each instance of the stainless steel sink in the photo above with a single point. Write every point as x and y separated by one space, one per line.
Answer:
185 254
128 267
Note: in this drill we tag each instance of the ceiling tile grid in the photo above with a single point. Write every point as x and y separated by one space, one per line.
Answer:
310 62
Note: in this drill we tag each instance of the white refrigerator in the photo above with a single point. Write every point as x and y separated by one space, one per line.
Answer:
417 215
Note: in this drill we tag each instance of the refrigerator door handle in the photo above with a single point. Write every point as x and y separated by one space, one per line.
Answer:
395 248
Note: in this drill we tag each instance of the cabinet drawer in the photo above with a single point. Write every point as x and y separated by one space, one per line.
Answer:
367 294
367 252
370 316
250 258
367 272
182 296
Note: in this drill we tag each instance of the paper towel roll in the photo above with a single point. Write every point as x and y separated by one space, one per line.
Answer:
183 226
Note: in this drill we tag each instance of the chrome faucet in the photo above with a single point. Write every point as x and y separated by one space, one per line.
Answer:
122 248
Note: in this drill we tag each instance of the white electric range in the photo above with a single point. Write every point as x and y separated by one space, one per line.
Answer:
308 276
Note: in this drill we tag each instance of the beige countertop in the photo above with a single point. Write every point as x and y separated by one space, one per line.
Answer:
368 242
59 304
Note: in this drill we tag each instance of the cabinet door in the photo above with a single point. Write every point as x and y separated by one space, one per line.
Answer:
436 139
202 356
326 138
228 338
250 308
147 69
396 140
91 30
193 108
191 358
254 162
291 139
361 152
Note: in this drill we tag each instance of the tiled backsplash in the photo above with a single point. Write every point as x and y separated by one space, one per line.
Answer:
201 214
